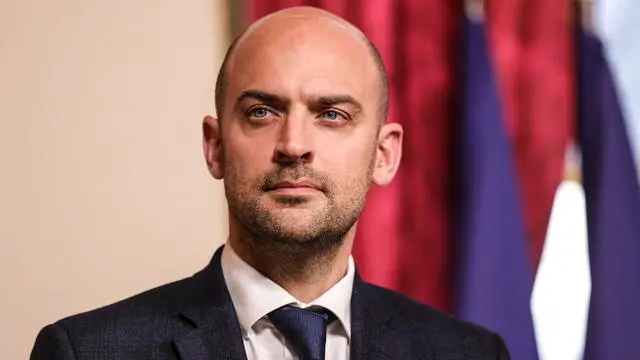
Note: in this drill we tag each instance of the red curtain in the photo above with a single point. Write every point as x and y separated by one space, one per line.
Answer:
533 47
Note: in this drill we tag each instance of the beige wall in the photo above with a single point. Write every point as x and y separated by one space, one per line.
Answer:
103 190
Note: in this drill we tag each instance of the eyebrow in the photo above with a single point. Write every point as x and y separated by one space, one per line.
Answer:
315 101
332 100
262 96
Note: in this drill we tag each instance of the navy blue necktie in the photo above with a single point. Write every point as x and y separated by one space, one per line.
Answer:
304 329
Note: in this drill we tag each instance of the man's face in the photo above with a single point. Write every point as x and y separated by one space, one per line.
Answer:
299 135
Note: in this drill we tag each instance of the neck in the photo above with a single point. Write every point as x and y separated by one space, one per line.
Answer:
306 275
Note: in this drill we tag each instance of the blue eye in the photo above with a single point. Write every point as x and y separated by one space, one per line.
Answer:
258 112
331 115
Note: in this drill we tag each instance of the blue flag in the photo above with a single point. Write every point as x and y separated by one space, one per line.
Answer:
613 210
492 267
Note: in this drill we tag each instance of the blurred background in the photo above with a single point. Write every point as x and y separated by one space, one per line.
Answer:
516 206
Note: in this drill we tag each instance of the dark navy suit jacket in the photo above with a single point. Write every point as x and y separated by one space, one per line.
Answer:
194 319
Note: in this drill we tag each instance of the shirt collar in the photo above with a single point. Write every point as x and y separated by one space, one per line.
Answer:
254 295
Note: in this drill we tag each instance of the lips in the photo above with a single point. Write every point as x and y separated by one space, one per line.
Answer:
299 184
294 188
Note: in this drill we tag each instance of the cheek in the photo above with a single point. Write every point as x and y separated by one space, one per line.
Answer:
351 151
251 153
246 164
350 163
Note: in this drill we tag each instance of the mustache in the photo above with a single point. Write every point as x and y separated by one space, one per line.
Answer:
294 174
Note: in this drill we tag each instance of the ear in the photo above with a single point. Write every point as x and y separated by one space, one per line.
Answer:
388 154
212 146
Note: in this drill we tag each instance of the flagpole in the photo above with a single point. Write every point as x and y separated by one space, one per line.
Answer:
474 9
585 14
582 10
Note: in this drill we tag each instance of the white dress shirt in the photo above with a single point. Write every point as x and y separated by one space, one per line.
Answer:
254 296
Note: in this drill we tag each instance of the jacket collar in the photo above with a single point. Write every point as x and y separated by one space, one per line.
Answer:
216 333
376 332
209 310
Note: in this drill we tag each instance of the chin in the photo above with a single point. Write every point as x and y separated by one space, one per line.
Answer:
295 221
297 237
306 240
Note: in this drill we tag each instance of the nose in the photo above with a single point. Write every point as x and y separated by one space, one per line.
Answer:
295 140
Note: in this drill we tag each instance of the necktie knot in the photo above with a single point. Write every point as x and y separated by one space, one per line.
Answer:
304 329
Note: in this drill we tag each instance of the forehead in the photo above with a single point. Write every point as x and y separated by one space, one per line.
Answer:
302 57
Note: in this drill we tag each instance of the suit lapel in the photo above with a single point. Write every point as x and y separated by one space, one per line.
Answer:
208 309
367 324
208 345
376 334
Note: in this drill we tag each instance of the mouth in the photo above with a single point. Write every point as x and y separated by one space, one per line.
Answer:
294 188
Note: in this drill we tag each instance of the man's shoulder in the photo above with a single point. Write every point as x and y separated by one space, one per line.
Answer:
441 331
146 309
416 313
141 323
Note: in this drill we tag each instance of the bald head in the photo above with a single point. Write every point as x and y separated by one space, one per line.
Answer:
299 139
309 22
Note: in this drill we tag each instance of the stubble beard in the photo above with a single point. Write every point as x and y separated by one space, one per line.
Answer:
291 224
294 238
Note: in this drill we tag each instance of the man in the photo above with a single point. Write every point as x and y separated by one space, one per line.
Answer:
299 138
